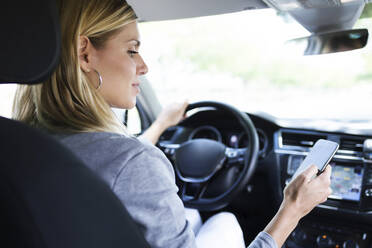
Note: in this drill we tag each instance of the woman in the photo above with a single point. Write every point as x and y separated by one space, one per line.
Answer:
99 69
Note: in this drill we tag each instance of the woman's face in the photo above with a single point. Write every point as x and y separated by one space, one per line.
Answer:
119 64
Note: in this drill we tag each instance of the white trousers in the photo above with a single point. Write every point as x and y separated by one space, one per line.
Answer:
219 231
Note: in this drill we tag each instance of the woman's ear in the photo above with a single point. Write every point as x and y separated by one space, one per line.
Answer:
84 53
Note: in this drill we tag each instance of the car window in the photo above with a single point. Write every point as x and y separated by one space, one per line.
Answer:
241 59
7 92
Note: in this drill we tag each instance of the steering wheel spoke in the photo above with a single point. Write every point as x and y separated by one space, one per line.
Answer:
192 191
169 149
235 156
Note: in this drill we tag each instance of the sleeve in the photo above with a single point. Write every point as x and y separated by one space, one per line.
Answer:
144 140
146 186
263 240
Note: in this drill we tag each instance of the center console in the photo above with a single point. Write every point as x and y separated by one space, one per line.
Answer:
345 219
310 234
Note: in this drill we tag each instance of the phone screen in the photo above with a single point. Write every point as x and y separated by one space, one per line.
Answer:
320 155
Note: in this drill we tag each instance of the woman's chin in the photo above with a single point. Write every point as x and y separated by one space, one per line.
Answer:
125 105
131 104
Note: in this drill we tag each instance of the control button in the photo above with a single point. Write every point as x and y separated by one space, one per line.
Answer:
241 152
169 151
231 153
249 188
369 178
350 244
364 236
299 236
368 192
324 241
368 155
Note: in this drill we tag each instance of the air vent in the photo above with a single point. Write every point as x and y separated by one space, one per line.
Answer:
300 139
352 144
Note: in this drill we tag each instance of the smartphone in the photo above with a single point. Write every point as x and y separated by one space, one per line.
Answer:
320 155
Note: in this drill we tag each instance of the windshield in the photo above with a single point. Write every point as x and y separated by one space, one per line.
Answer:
241 59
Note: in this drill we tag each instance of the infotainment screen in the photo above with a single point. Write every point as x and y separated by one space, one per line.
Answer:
346 182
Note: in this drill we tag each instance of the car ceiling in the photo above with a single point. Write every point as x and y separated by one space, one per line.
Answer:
177 9
317 16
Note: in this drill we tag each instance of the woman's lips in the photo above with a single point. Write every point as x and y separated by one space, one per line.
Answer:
136 86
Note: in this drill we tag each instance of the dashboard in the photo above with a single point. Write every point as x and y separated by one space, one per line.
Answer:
351 183
344 220
351 178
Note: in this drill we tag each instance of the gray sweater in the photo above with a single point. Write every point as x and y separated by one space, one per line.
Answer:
143 179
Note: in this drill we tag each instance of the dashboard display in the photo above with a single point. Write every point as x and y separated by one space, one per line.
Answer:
346 182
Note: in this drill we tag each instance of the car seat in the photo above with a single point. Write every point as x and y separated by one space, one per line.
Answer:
48 197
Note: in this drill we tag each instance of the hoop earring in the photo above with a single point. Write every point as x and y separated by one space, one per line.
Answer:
100 81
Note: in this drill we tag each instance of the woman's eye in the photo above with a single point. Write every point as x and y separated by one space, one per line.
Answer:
132 53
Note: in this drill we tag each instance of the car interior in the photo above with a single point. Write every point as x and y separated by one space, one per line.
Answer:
225 158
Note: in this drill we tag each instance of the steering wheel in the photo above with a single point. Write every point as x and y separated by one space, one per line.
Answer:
199 163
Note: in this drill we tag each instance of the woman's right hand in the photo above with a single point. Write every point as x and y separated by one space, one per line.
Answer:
172 114
307 191
300 196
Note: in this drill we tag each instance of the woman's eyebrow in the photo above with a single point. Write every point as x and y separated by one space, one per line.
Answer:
137 42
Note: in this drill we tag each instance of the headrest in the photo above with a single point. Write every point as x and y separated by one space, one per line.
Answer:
30 40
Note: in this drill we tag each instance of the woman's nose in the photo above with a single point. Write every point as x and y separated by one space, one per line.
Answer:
142 68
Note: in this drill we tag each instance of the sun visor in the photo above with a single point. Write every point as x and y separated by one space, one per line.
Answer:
319 16
30 40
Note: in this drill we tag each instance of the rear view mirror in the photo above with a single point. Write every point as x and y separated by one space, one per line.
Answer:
332 42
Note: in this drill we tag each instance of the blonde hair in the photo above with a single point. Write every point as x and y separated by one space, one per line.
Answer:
67 101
